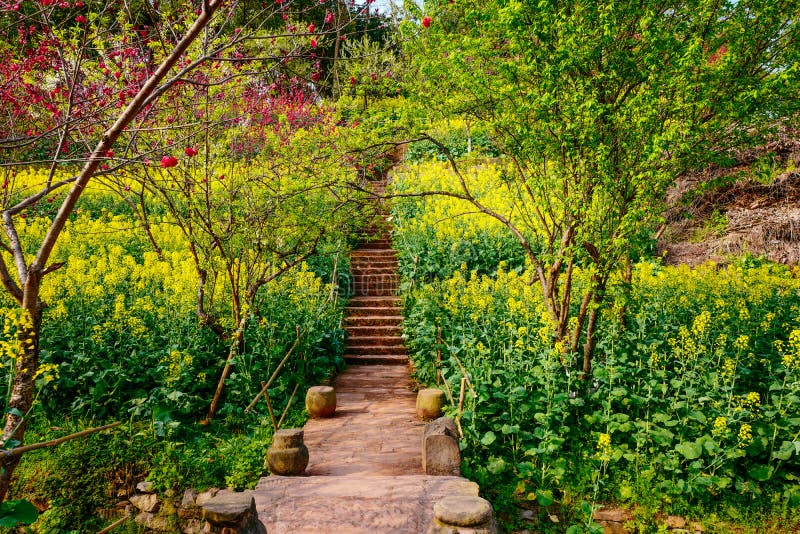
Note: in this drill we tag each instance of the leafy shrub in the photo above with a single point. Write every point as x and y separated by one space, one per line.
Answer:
692 405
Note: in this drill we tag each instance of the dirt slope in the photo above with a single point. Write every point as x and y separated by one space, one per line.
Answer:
751 207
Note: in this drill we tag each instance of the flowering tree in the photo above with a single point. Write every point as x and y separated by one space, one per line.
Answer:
89 86
598 107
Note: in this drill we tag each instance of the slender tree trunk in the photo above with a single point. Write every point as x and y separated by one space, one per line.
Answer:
23 386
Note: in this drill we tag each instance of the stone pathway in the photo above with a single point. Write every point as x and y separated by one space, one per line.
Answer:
365 467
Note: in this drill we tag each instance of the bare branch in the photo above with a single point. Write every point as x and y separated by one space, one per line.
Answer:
18 451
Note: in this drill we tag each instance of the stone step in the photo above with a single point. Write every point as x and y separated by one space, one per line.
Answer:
375 285
374 302
376 277
374 341
373 253
358 263
376 311
363 291
372 350
381 261
371 321
374 330
385 292
375 288
376 359
367 270
381 244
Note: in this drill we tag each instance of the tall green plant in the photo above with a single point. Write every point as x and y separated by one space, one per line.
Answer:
597 107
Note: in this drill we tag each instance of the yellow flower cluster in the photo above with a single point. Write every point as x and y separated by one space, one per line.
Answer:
745 434
603 447
14 341
447 215
741 342
176 361
720 426
791 355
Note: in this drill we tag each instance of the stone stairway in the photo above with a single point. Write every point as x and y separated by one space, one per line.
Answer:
374 315
365 463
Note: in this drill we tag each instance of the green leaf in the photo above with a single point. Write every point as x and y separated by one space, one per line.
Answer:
496 466
690 450
586 508
15 512
761 472
488 438
786 451
544 497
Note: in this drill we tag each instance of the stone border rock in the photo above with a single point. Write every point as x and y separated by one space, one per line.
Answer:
440 452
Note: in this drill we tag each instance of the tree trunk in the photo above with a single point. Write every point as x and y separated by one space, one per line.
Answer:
23 387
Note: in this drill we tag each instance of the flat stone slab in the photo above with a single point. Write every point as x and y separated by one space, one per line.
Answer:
374 430
367 504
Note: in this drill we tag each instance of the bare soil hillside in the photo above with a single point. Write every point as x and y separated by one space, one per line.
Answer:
751 207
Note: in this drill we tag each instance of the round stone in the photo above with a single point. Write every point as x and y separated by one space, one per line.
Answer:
429 403
321 401
463 511
287 438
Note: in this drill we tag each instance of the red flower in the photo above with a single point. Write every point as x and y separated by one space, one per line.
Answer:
426 22
80 19
328 17
352 80
311 28
109 153
169 161
313 43
315 76
191 151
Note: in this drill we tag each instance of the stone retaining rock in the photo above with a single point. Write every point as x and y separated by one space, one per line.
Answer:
440 452
233 513
146 503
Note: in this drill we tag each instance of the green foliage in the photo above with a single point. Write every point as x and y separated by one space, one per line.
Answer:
597 107
15 512
692 405
461 138
436 235
79 477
